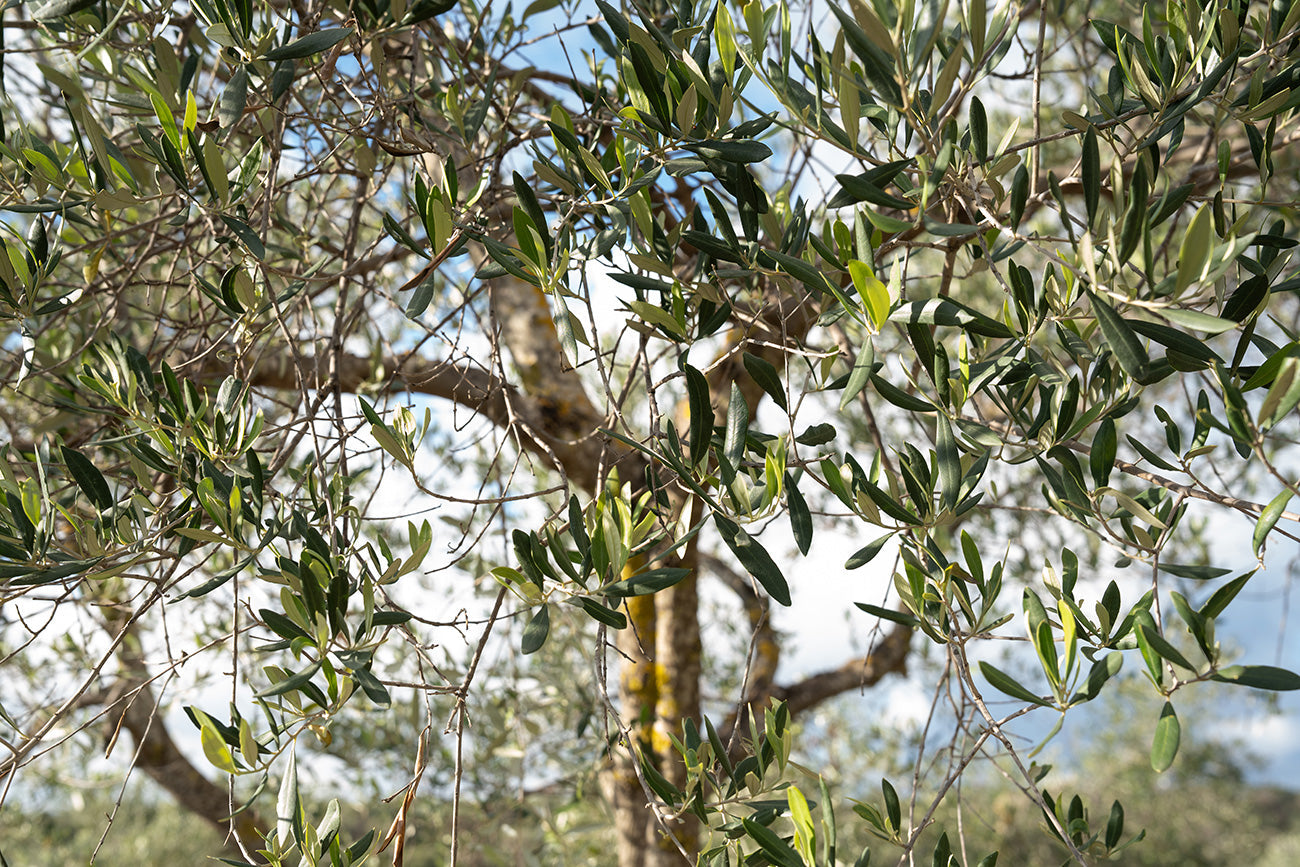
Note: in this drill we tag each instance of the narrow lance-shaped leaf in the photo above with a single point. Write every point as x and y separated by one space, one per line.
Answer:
292 682
1194 251
778 852
1164 746
539 626
287 822
949 463
310 44
88 478
800 516
1121 338
1004 682
372 687
215 748
764 373
645 583
737 427
234 98
893 808
1091 174
1268 677
1104 448
731 151
867 553
1269 517
859 376
754 558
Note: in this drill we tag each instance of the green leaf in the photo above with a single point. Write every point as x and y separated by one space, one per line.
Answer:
1130 353
1283 395
423 294
979 129
1114 825
763 372
1003 682
1161 645
887 224
1196 320
292 682
778 852
878 66
733 448
1019 194
234 98
867 553
288 821
754 558
1260 677
372 687
800 517
874 293
816 435
88 478
215 748
1164 747
245 233
310 44
1195 573
1268 519
423 10
731 151
949 463
1133 507
1102 670
1101 460
528 200
1194 251
701 428
539 626
888 614
863 366
656 315
645 583
805 833
858 188
945 311
248 745
1091 174
401 236
1246 299
537 7
900 398
1219 600
602 614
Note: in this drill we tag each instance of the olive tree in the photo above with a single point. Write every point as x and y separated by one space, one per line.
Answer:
280 278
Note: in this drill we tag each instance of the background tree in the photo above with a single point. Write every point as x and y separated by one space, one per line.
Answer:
279 276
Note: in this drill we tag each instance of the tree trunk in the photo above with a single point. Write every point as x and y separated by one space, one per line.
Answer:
677 674
638 687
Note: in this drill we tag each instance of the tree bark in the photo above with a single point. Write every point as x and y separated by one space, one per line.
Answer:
638 693
677 673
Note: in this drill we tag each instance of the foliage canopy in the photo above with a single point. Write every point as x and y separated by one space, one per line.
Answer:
994 287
